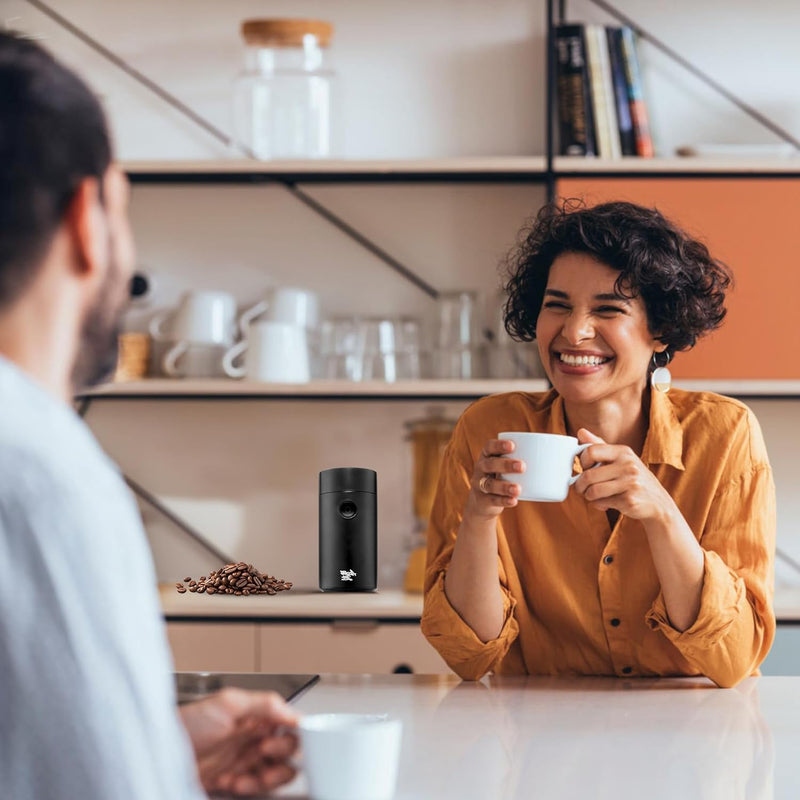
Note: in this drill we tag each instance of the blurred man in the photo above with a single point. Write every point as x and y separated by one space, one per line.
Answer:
87 705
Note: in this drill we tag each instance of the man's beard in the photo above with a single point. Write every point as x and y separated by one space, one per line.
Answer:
96 359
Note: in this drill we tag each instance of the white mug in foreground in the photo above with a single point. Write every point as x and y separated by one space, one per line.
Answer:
548 461
351 756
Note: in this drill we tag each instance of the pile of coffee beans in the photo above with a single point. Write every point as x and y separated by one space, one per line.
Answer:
237 579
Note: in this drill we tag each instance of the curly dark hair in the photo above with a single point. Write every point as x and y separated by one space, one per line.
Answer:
682 286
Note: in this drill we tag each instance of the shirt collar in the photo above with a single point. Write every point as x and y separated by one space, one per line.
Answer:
664 441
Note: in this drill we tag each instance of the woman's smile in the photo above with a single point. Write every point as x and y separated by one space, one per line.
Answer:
580 362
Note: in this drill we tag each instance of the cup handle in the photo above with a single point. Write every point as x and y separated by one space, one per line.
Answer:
156 325
578 451
231 370
172 357
249 315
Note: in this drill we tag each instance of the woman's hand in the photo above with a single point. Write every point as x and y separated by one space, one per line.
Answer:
490 494
614 477
242 740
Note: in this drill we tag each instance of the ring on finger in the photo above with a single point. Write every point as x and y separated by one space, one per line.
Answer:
482 484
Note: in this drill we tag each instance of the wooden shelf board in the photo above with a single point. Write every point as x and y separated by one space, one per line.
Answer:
222 387
566 165
390 167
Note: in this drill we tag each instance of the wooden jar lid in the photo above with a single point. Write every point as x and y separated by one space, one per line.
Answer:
285 32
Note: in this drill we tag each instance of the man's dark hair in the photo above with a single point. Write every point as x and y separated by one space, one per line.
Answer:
682 286
53 134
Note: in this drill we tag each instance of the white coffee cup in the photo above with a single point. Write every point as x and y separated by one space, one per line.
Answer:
549 459
284 304
201 317
190 360
351 756
273 351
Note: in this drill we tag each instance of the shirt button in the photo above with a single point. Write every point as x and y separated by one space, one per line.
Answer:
627 670
608 559
615 622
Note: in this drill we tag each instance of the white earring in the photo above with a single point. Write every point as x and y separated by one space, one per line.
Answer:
661 377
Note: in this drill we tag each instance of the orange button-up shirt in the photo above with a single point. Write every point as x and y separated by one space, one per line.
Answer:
582 598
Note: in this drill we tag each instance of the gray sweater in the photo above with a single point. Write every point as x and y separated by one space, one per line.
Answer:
87 705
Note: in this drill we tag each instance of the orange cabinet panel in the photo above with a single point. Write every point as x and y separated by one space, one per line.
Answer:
753 225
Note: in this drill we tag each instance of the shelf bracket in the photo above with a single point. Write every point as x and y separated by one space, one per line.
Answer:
360 239
228 141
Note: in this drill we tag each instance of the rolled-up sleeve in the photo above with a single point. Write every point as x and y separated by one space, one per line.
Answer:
468 656
735 625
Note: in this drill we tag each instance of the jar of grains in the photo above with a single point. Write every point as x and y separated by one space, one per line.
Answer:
282 100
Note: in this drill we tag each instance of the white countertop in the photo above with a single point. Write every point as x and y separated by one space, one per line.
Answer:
573 739
383 604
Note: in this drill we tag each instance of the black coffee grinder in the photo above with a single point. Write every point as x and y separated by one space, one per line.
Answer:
348 530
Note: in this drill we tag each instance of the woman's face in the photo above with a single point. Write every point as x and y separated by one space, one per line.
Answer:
594 343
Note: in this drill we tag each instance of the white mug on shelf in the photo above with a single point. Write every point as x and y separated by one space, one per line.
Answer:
284 304
202 317
275 352
191 360
200 328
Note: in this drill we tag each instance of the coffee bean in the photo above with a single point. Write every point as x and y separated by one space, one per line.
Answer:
238 579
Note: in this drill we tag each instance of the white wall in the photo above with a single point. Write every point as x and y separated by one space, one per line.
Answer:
416 79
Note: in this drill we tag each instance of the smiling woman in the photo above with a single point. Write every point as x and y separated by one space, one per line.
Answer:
660 560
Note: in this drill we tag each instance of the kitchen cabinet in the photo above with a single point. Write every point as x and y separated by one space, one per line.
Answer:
299 631
351 646
214 646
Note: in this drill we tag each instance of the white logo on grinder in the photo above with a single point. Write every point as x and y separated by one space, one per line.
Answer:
347 574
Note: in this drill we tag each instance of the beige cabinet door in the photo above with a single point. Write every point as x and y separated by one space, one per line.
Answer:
346 646
214 646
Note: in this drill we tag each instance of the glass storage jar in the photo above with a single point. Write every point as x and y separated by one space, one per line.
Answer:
282 100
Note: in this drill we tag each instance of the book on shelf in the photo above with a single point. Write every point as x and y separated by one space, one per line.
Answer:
627 140
575 115
633 75
601 105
